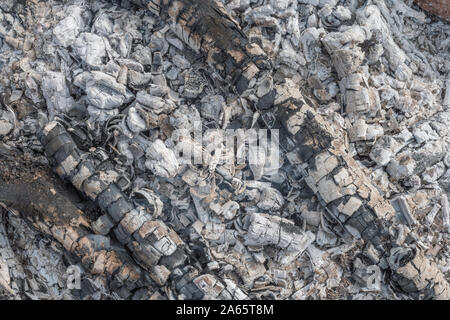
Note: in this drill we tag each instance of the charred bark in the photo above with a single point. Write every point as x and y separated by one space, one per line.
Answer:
206 27
46 204
351 199
156 247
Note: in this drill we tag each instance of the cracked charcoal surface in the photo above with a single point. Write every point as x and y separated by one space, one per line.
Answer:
96 97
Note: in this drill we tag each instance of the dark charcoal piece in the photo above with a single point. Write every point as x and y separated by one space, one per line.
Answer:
117 210
58 142
68 166
122 235
103 225
110 195
242 84
146 254
64 152
192 292
176 259
85 165
57 130
267 101
93 186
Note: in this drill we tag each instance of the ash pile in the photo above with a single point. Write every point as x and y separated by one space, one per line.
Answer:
131 104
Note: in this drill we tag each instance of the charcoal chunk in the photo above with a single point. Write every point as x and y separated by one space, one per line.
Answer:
117 210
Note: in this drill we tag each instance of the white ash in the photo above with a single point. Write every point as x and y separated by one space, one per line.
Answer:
382 67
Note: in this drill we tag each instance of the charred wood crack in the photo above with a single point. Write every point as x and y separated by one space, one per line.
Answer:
338 181
348 195
156 247
206 27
